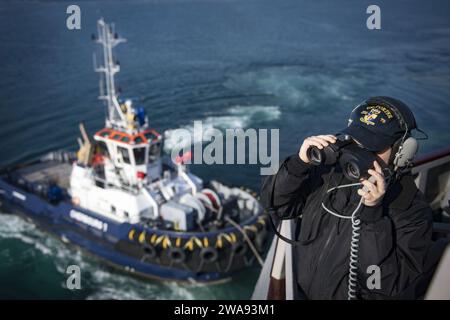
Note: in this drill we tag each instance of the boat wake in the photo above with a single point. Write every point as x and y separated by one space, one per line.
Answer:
98 282
237 117
296 86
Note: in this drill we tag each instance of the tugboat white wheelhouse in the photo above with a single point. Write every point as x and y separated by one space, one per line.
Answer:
120 199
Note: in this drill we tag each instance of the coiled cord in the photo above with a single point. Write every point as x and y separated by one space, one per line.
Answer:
354 243
353 263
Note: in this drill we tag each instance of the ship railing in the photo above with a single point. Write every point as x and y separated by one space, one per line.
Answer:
432 177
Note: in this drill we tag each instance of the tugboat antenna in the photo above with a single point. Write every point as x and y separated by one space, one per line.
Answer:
109 39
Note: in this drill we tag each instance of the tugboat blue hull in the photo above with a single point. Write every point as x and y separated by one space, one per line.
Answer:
99 236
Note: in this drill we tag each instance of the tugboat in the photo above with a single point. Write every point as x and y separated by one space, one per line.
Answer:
121 200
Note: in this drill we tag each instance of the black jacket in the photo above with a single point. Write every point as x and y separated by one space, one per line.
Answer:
395 235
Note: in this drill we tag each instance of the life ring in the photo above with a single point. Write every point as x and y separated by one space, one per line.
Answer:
149 251
209 255
239 248
176 255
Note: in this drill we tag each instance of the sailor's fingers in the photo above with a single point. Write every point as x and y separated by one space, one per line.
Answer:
312 142
322 142
377 167
369 199
328 137
309 142
374 190
371 187
317 141
379 179
365 195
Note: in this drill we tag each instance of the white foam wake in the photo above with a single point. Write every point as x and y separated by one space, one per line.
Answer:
237 117
296 86
13 227
102 282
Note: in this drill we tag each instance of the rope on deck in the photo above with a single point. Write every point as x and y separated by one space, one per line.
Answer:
252 247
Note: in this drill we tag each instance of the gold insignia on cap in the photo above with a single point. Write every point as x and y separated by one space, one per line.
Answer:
375 113
369 116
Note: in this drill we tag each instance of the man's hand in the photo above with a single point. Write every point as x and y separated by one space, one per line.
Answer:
318 141
376 189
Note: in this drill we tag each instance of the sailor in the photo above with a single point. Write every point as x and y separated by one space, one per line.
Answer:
123 108
130 115
394 235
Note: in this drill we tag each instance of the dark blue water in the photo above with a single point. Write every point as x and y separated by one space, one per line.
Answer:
299 66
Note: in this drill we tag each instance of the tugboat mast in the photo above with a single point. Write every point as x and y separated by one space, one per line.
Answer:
109 39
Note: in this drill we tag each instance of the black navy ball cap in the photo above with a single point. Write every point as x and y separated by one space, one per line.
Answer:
407 115
377 125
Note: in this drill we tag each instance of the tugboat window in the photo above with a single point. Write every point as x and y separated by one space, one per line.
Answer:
102 148
138 140
154 151
139 155
125 154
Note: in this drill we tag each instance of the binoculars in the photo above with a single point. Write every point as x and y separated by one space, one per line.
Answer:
354 160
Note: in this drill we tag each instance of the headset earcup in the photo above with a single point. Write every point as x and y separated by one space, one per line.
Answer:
406 152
